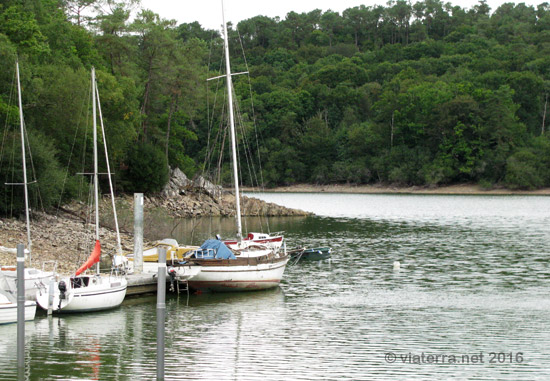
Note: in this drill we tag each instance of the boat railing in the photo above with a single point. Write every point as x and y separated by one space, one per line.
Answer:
205 253
52 263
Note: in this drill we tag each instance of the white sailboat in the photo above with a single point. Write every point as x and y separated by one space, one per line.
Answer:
33 276
83 292
8 304
248 266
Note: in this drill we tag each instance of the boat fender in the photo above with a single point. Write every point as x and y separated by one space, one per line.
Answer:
62 286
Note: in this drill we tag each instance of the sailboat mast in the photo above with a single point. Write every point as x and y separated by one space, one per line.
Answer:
232 128
96 182
22 125
119 244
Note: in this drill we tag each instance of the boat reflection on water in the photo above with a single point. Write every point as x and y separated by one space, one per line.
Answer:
79 345
233 328
121 343
238 300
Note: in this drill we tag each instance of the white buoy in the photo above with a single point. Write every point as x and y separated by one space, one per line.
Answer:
396 265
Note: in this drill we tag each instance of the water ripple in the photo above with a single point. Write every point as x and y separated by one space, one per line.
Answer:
473 285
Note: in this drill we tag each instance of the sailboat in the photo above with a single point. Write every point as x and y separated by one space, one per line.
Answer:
8 304
89 292
247 265
274 240
33 277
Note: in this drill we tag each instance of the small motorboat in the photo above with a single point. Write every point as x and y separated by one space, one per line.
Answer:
315 254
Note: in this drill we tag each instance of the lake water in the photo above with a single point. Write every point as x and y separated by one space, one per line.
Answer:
471 301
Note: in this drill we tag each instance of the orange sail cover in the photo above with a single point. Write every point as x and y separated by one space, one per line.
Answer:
92 259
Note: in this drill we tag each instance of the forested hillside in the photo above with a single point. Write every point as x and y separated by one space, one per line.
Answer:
424 93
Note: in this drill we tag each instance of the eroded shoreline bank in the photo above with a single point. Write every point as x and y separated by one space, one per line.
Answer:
62 235
462 189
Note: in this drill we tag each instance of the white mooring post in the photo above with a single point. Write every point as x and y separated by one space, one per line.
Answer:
20 307
161 312
138 233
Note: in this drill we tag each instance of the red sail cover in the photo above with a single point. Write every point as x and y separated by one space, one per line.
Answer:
92 259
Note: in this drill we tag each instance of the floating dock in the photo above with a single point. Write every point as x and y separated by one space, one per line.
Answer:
141 284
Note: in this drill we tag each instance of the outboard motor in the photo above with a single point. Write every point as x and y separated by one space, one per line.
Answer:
172 275
62 286
62 290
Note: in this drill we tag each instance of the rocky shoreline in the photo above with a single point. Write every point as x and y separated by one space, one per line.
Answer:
183 198
60 236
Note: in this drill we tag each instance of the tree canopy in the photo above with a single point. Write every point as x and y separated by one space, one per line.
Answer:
424 93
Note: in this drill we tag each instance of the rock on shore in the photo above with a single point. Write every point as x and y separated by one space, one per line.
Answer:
183 197
61 236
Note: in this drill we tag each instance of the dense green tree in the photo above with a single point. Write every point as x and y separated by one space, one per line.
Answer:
407 93
146 169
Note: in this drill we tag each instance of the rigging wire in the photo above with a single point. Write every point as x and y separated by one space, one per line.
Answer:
260 185
12 165
253 173
88 233
5 138
83 158
248 144
85 102
8 118
211 148
208 99
37 194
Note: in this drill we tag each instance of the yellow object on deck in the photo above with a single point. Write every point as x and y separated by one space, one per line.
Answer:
173 252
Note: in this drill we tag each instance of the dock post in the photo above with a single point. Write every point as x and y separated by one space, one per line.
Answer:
138 233
20 307
161 312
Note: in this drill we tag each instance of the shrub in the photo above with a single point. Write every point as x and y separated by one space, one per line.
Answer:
522 171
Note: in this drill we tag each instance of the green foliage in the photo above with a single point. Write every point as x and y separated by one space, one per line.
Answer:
425 93
22 29
521 171
147 169
529 167
42 167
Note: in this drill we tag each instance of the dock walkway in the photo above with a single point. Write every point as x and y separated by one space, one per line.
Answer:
141 284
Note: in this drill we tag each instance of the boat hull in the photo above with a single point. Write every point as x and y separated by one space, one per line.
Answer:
8 312
34 278
236 275
103 294
317 254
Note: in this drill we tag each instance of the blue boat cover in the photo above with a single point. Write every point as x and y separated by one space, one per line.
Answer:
222 252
